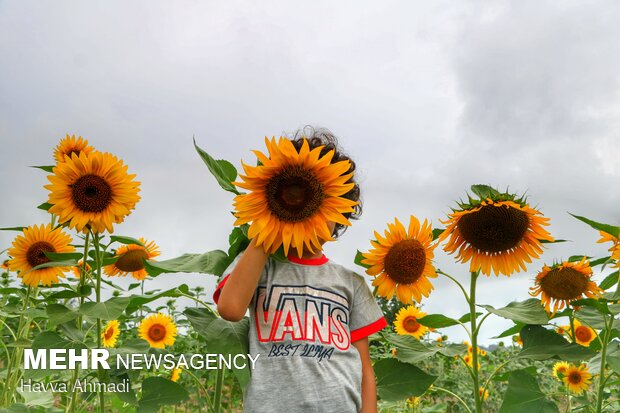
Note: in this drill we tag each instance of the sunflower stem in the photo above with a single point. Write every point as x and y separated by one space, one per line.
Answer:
217 398
457 283
193 376
474 339
601 377
17 353
455 396
100 373
82 283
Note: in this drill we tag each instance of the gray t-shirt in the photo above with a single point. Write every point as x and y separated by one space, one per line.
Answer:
304 315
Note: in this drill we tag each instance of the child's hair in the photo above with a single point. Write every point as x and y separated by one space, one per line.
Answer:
323 137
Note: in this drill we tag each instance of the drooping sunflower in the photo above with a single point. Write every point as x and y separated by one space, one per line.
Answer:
29 250
406 322
561 284
499 233
131 259
110 333
401 261
175 374
577 379
71 145
560 369
77 270
584 335
293 196
159 330
92 189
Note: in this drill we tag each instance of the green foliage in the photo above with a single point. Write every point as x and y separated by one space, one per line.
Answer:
397 381
524 395
223 171
526 312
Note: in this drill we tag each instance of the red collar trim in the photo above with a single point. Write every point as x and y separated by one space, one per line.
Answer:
308 261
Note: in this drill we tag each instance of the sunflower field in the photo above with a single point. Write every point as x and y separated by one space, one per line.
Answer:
58 293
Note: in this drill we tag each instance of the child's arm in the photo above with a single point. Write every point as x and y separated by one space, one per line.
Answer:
238 290
369 387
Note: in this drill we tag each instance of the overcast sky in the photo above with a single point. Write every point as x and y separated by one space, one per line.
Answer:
427 98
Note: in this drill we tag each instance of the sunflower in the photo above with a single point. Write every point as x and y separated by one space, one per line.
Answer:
615 248
562 329
563 283
131 259
484 393
110 333
5 264
92 189
577 379
77 270
559 369
517 340
401 261
469 360
175 374
584 335
158 329
71 145
500 233
406 322
29 250
293 196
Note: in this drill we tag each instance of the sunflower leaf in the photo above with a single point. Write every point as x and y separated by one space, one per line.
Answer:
610 229
437 321
63 256
223 171
13 229
46 168
212 262
524 395
358 260
397 381
465 318
540 343
136 301
437 232
125 240
45 206
107 310
610 280
511 331
600 305
158 391
529 311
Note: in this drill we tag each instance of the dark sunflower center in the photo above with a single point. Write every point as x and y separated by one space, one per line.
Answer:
405 261
564 283
36 253
91 193
494 229
410 324
583 333
574 377
157 332
131 260
294 194
108 333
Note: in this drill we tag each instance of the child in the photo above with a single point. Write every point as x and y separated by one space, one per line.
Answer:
310 319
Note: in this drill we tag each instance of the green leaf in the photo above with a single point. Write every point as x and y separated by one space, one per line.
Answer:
484 191
411 350
437 232
222 337
524 395
107 310
66 263
59 313
13 229
612 357
527 312
398 381
610 280
599 305
63 256
212 262
358 260
610 229
542 344
157 391
125 240
591 316
437 321
20 342
516 329
238 241
45 206
136 301
465 318
223 171
64 294
46 168
37 398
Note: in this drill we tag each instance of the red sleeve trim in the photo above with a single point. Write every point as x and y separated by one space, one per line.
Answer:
308 261
218 289
371 328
